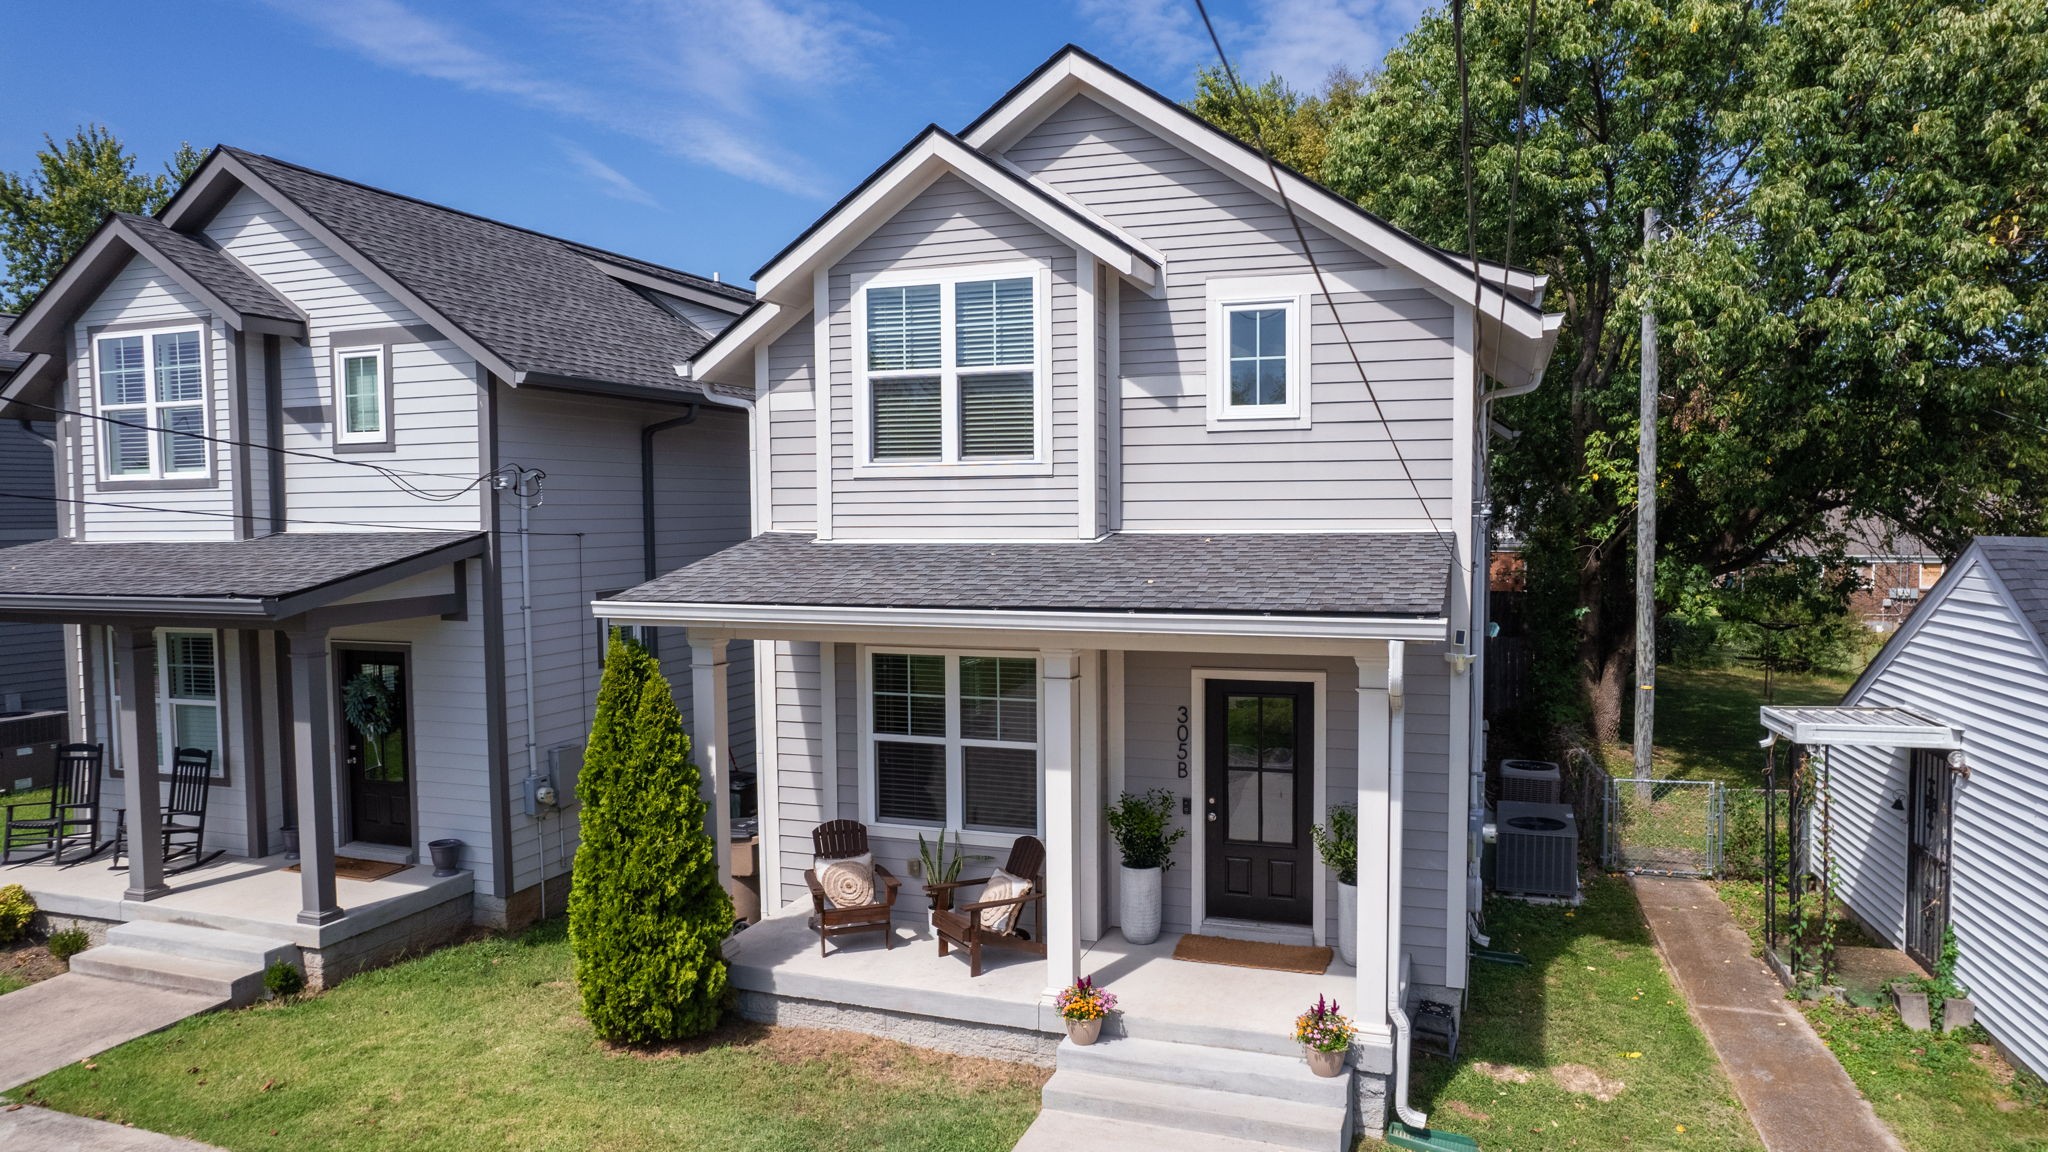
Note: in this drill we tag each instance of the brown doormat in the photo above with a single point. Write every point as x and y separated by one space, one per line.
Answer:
1252 954
351 868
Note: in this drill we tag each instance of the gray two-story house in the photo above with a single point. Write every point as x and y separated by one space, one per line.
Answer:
340 473
1076 476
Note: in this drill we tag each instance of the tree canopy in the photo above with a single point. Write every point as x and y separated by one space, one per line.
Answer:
47 214
1853 295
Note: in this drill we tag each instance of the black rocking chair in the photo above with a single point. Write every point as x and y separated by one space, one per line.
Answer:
74 811
184 813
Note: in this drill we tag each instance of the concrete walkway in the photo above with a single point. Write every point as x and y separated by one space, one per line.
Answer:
67 1018
1796 1092
34 1129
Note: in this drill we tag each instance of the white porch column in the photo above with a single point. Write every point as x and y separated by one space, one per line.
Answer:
1057 672
709 742
1374 732
312 752
135 652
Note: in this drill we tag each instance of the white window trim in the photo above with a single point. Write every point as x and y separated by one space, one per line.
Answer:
342 435
949 462
167 742
152 407
1291 293
955 825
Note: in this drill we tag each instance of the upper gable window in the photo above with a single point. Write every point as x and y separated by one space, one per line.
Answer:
952 366
1258 354
153 393
361 399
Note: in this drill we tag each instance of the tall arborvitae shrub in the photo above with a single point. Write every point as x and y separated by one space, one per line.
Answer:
647 915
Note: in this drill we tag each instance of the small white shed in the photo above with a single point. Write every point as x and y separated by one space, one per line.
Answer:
1926 841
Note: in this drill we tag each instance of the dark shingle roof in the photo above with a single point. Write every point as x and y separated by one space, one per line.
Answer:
236 286
2021 563
268 567
1364 574
536 301
10 360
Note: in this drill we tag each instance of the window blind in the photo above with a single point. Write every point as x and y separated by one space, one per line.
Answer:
907 419
910 782
999 788
903 328
997 416
992 322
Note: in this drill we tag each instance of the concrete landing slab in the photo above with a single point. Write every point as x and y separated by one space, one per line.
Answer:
35 1129
70 1017
1794 1089
1065 1131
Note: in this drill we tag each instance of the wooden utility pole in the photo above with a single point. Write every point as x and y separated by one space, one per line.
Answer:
1646 526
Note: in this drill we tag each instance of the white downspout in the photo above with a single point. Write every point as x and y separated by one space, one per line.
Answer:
1397 960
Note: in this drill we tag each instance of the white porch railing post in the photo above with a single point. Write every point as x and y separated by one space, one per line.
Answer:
1374 734
709 743
1057 669
136 649
312 758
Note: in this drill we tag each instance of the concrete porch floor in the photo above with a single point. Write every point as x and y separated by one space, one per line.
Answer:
1159 997
257 897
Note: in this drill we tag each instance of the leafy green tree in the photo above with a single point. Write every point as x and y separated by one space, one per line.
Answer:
647 915
48 214
1854 294
1792 615
1294 126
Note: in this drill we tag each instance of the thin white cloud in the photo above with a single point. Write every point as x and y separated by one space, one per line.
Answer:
678 74
615 183
1166 35
1299 40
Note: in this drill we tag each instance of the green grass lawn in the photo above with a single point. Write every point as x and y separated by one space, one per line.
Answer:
484 1045
1706 719
9 984
1939 1093
1592 1015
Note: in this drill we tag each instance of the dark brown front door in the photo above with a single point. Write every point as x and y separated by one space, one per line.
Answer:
1260 776
1931 785
375 746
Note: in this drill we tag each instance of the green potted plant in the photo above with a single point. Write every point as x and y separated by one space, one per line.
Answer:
1325 1037
1337 844
939 869
1084 1007
1141 827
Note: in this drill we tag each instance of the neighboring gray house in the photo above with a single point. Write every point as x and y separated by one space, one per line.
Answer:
31 655
1935 837
296 416
1063 466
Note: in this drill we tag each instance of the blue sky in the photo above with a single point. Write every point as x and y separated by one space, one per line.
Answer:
698 133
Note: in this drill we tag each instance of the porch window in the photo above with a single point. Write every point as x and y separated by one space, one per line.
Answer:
153 392
188 694
951 366
954 740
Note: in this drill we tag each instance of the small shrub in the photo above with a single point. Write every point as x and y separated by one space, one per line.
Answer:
68 943
17 909
283 979
1337 843
1139 825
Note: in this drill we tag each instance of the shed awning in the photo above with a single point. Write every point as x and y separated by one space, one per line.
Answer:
1866 726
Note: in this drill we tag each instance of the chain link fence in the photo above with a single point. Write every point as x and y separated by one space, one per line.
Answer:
1663 827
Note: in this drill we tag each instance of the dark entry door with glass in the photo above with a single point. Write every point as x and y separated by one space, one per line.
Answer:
1927 840
375 745
1260 778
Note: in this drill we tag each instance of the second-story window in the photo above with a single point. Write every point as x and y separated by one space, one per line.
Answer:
152 391
951 366
359 395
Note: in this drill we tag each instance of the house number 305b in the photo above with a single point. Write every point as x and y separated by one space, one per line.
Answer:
1180 734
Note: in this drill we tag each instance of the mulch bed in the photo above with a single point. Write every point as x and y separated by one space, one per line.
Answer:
29 961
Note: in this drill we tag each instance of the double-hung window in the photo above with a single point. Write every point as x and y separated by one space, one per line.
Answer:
359 392
1258 354
952 364
153 395
188 700
954 740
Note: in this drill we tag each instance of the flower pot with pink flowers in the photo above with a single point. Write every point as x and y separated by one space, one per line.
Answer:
1325 1037
1084 1007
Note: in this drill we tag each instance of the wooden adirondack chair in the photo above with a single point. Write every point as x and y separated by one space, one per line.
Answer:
837 840
965 926
184 813
74 810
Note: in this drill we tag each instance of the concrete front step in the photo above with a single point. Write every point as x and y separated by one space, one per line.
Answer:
1067 1131
1212 1069
198 943
236 984
1203 1111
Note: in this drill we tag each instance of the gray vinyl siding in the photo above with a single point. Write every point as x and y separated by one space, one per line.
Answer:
1177 475
792 431
141 294
31 655
1969 662
434 392
950 224
586 541
806 795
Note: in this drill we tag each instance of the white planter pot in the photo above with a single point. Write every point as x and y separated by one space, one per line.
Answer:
1347 923
1139 888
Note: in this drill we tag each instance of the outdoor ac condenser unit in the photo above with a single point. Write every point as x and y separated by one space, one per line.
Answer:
1536 850
1530 782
